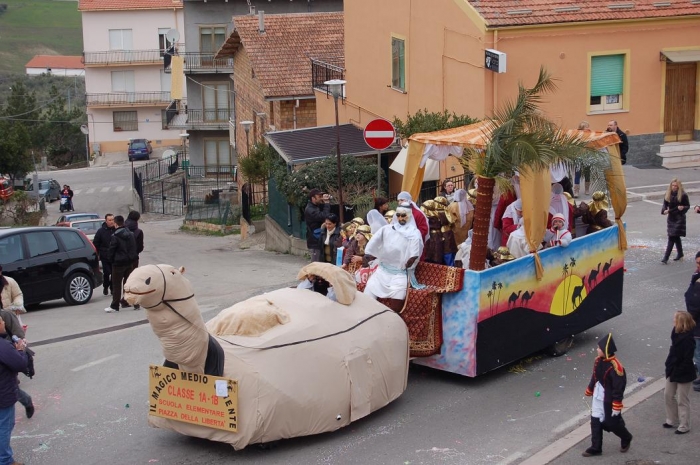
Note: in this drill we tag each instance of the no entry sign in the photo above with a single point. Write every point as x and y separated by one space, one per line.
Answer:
379 134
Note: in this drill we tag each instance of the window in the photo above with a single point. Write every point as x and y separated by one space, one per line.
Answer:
125 121
162 41
211 38
216 98
123 81
607 82
11 249
398 64
120 39
217 152
41 243
71 240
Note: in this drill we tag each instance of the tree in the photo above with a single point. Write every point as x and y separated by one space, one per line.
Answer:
424 121
60 134
14 153
521 138
256 167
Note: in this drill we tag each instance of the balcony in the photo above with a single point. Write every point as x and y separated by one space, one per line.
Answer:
197 119
123 57
128 99
205 63
322 71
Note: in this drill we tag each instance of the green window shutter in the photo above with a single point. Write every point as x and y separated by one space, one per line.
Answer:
607 74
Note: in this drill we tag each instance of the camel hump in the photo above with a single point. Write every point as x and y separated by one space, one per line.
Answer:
252 317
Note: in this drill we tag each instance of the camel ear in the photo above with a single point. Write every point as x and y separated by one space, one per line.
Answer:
182 270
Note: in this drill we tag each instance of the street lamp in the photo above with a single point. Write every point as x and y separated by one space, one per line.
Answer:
336 88
246 127
185 163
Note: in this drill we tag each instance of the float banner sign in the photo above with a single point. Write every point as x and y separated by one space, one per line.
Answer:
193 398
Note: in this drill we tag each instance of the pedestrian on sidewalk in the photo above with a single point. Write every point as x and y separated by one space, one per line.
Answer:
607 386
680 373
676 205
315 213
101 241
122 254
13 360
132 224
692 305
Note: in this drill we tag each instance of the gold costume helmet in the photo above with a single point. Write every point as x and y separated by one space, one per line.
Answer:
358 221
365 230
569 199
441 202
599 202
389 215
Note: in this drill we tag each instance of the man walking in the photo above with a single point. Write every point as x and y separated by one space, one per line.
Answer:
13 360
692 304
315 213
132 224
122 254
624 143
101 242
397 247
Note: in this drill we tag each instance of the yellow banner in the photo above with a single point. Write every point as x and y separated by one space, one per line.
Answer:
193 398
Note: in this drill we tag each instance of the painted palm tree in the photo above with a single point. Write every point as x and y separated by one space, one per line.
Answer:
520 137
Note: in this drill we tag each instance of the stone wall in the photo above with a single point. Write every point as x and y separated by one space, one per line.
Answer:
250 101
644 148
278 240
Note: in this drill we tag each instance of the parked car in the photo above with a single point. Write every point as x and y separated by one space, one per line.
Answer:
50 263
88 227
139 149
65 220
49 189
6 189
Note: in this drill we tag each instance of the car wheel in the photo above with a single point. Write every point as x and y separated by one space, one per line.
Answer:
561 347
78 289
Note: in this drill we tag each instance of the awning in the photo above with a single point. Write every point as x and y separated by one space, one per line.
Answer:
432 167
681 56
310 144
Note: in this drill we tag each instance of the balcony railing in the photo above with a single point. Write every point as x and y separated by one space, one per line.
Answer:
122 57
197 62
128 98
322 71
203 119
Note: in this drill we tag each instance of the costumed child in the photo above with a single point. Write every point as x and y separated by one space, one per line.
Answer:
607 386
557 234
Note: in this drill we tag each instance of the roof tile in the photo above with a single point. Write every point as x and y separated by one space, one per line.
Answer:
501 13
56 62
281 56
100 5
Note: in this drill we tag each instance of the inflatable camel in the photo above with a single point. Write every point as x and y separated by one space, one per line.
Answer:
304 364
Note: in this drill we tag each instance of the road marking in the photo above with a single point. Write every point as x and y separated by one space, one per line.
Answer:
119 188
651 201
96 362
77 191
104 189
91 190
660 185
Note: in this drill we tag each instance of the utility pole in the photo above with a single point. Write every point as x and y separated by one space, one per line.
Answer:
68 100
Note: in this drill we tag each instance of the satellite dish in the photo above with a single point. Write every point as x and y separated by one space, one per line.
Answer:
84 129
172 36
168 153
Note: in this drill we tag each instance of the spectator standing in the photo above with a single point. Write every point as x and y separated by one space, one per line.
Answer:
624 143
122 254
448 190
680 373
381 205
330 239
68 193
13 360
132 224
675 206
101 242
315 213
692 305
13 327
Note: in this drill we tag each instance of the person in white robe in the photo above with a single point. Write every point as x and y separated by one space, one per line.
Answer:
557 234
397 248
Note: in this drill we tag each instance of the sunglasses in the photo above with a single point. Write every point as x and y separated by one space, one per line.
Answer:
401 215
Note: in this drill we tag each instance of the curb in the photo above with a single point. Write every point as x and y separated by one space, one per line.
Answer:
562 445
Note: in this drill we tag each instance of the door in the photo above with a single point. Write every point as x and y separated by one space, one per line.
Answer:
679 109
15 264
216 98
47 263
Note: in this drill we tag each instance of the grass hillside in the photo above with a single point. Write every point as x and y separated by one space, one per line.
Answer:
38 27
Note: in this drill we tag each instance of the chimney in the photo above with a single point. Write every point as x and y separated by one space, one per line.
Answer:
261 21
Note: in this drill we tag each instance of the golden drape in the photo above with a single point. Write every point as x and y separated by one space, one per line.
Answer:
535 193
176 75
412 173
615 178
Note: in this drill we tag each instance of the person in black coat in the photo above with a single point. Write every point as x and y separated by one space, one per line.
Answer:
624 142
330 239
692 305
101 241
315 213
680 372
122 254
676 205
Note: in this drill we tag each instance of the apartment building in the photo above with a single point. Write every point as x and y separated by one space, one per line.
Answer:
208 112
127 88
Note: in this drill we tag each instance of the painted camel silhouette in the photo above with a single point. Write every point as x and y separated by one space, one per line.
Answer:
606 267
576 295
513 299
525 299
593 277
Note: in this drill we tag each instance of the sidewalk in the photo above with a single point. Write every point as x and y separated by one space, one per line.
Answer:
652 444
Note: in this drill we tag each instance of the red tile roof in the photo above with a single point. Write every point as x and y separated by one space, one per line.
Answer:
99 5
500 13
281 56
55 62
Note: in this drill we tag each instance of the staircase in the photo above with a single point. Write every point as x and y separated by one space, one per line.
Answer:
680 154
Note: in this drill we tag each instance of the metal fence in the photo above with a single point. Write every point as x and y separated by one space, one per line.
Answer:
126 98
113 57
222 213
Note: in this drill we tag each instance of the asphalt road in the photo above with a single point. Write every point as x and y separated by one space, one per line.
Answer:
91 390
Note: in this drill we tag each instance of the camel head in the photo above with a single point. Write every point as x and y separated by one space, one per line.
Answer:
149 285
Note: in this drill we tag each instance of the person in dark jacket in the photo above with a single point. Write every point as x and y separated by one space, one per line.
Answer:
624 142
101 242
13 327
607 387
680 373
676 205
692 305
330 239
122 254
13 360
132 223
315 214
